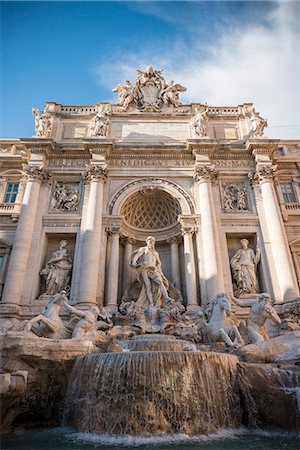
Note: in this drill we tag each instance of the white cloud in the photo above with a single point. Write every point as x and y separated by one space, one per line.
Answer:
259 64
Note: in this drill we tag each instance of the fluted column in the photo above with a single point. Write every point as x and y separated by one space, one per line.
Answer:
281 268
127 270
175 266
204 175
15 278
189 266
113 270
92 237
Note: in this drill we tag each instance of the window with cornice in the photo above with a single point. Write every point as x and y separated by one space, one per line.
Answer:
288 192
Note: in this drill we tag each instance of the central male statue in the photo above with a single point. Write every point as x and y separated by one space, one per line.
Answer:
148 265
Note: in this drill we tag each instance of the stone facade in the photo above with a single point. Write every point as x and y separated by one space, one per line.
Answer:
102 178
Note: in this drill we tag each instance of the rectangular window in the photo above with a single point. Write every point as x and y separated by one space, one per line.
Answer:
11 192
288 193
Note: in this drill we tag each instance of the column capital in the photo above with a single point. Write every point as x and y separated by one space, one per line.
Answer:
95 173
205 172
35 173
174 240
130 240
113 225
263 174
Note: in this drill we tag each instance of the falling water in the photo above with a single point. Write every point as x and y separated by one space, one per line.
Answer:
154 392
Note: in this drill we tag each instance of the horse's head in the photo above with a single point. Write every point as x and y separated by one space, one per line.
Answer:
223 301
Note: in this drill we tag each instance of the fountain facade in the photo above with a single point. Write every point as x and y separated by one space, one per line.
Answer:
218 206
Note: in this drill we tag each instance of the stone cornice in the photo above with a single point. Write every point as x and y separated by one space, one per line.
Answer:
98 146
262 146
204 146
39 146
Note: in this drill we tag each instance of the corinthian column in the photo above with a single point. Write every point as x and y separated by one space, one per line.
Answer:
15 278
175 266
281 267
113 270
189 266
204 174
92 237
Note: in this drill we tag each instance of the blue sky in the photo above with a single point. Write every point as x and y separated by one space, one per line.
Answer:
225 53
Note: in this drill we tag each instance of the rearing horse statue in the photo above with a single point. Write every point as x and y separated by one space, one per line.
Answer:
221 326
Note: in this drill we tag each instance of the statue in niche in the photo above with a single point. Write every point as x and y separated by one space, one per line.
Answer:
235 197
257 125
48 324
147 263
243 265
57 270
261 310
99 124
43 122
199 121
65 198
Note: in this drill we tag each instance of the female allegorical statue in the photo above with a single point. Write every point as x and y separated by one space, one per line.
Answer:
58 270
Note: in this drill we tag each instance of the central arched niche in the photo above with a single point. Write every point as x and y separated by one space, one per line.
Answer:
150 211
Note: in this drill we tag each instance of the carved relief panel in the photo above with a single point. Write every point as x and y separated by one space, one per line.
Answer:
234 197
65 196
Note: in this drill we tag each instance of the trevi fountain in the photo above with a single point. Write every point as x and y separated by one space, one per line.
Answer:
149 277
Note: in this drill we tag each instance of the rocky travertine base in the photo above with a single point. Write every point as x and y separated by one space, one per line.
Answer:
175 390
270 395
34 377
278 349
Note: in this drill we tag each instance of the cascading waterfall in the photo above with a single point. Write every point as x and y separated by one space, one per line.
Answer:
153 392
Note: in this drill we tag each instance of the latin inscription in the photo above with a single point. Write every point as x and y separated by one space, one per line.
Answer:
69 162
150 163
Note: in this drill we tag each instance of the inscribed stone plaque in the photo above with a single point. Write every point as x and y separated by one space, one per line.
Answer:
150 131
